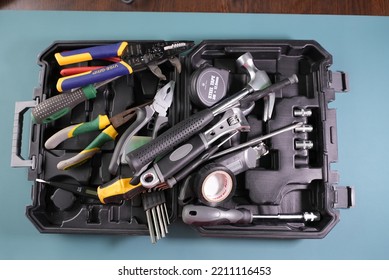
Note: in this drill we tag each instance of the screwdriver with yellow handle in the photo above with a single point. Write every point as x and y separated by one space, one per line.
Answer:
114 191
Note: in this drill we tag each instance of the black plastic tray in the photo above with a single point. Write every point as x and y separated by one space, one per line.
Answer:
286 181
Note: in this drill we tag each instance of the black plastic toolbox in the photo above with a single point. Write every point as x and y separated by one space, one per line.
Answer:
287 180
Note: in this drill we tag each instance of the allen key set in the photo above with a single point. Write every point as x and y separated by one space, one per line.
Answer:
233 137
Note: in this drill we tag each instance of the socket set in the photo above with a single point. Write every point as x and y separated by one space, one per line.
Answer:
232 137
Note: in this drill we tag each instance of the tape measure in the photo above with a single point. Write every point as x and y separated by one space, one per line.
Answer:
208 85
214 184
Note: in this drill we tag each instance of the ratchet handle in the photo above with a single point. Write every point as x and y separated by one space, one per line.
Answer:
57 106
79 80
174 136
86 54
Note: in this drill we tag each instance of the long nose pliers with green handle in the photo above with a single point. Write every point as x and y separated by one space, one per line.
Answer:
102 122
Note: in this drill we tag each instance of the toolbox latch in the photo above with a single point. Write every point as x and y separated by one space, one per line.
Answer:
339 81
344 197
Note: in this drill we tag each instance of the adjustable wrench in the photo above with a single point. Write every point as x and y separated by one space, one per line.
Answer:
233 120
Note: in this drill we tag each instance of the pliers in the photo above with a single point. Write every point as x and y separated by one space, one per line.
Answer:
162 102
120 188
101 122
134 57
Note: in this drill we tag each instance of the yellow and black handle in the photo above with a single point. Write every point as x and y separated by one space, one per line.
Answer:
117 190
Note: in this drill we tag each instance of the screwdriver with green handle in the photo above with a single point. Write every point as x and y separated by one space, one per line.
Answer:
57 106
200 215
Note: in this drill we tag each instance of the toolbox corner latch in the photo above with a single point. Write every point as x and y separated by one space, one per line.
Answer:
339 81
344 197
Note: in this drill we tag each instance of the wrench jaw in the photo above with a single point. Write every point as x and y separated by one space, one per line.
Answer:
232 120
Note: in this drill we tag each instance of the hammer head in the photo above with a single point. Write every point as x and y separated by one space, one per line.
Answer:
258 78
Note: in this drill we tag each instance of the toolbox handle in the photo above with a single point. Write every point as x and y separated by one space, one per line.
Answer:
17 160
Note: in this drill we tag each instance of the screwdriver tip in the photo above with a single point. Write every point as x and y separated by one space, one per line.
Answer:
41 181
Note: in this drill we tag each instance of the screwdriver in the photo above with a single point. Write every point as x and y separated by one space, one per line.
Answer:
200 215
73 188
57 106
114 191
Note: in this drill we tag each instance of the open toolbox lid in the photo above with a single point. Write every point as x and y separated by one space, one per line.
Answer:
293 178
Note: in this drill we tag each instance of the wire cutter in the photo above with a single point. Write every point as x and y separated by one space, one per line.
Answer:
101 122
162 102
134 57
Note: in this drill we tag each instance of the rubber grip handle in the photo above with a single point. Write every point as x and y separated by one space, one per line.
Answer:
143 115
174 136
86 54
97 124
178 159
199 215
16 159
107 135
111 71
57 106
78 70
117 190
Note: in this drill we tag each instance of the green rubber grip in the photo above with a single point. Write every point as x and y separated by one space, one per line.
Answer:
94 147
57 106
74 130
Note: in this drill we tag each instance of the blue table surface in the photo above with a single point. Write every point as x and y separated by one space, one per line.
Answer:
359 46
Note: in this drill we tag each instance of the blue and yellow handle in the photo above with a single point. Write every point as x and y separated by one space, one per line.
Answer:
87 54
111 71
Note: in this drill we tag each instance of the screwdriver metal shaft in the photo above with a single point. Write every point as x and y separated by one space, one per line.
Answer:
257 140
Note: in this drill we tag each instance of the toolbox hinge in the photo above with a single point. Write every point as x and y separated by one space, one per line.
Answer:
344 197
339 81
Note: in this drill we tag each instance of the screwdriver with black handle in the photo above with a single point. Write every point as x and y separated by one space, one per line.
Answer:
59 105
199 215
